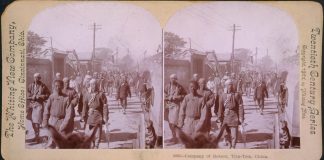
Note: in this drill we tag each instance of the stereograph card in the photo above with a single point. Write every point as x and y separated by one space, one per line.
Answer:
161 80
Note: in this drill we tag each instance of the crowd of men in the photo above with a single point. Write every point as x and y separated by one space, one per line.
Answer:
192 111
84 96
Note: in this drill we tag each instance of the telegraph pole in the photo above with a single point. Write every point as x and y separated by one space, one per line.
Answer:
235 28
190 43
95 27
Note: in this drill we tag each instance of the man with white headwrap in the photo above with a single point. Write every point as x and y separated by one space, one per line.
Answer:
225 78
37 94
195 77
174 94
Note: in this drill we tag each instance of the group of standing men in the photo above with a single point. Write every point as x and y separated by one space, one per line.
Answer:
71 96
192 112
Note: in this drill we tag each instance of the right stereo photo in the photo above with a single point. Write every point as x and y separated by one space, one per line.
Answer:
231 77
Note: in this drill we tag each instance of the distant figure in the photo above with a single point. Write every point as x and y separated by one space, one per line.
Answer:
86 80
58 76
123 92
195 77
78 80
110 84
225 78
239 87
234 81
102 82
74 84
248 84
95 75
211 84
259 94
217 81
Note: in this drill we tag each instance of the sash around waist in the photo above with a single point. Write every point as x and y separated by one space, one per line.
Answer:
192 117
58 117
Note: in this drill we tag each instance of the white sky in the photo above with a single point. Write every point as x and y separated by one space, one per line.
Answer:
208 25
122 25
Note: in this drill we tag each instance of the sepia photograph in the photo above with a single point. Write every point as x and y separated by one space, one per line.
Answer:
94 76
231 77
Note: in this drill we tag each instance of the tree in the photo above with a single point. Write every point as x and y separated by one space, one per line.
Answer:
34 43
173 43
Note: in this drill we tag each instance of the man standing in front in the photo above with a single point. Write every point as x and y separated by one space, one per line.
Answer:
174 94
260 93
123 92
191 111
58 112
37 93
231 112
102 82
95 110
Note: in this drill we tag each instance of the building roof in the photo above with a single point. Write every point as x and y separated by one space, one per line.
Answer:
186 54
223 56
84 55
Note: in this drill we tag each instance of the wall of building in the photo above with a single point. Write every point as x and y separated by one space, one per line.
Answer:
179 67
42 66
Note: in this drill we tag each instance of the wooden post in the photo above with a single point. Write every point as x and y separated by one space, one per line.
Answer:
276 144
142 133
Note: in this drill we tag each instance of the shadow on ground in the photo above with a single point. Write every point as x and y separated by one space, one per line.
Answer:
255 137
122 136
